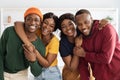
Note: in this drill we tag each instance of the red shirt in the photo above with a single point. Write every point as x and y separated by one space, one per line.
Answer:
103 52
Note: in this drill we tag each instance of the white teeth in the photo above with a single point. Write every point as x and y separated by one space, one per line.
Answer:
45 30
85 30
69 31
33 27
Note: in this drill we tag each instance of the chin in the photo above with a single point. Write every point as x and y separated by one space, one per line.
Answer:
71 35
86 34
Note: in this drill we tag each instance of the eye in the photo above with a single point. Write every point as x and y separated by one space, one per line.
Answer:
70 23
52 26
28 19
45 22
63 26
37 20
87 22
79 24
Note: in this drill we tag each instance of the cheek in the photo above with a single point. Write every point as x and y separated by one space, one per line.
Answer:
37 27
51 29
38 24
89 27
63 30
79 28
74 29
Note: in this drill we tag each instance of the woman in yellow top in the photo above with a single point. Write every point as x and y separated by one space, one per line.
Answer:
50 24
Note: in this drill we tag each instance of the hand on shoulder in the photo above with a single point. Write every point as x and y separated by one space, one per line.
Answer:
102 23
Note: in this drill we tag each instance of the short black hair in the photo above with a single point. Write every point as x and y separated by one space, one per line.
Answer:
82 11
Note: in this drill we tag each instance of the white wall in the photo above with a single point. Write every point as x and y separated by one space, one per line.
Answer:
61 4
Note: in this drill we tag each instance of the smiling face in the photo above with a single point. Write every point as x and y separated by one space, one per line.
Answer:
48 26
84 23
32 23
68 27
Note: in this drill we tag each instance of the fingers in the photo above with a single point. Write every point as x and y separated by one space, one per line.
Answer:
29 47
30 56
103 23
26 49
29 52
79 51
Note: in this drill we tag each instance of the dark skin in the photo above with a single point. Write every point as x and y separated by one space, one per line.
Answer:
84 23
47 28
68 28
30 48
32 23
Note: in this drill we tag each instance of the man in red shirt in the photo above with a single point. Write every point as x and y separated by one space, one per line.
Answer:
100 47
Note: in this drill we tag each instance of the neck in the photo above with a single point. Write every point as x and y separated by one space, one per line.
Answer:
46 39
71 39
31 36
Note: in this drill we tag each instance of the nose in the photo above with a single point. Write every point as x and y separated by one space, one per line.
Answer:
32 22
68 27
46 26
83 26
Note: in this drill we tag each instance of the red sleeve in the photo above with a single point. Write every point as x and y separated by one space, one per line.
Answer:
83 69
108 47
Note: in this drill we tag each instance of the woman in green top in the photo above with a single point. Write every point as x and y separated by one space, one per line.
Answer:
13 64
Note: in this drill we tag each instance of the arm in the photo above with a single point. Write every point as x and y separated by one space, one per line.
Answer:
103 23
2 52
1 60
46 61
83 69
50 57
70 61
19 28
78 41
108 47
51 53
83 64
35 67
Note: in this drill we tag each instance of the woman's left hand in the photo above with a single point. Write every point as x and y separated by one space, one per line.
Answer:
79 51
29 54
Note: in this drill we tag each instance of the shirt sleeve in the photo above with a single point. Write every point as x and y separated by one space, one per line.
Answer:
35 68
3 42
63 49
54 46
83 69
108 47
1 68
